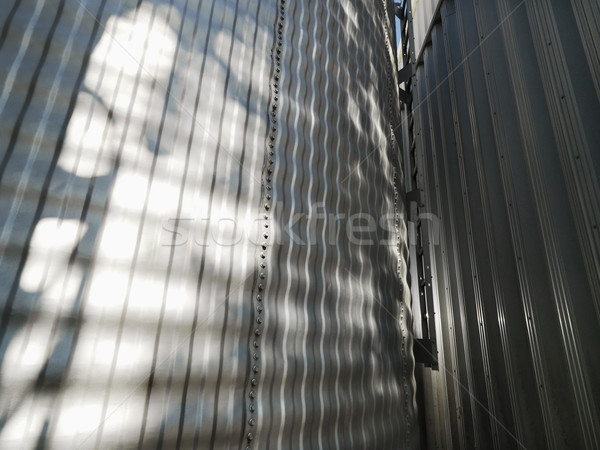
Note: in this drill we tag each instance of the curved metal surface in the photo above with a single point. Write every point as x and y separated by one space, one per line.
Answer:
144 301
338 364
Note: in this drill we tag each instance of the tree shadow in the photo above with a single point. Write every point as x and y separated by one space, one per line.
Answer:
97 96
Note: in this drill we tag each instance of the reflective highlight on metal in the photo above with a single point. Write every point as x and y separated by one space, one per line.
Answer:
337 370
501 134
174 269
131 165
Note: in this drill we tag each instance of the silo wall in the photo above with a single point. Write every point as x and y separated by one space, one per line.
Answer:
202 231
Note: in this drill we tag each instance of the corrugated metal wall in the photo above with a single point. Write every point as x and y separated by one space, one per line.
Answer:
506 105
133 141
338 361
176 182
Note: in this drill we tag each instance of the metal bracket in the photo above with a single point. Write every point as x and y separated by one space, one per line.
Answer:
404 96
426 353
404 74
398 10
414 196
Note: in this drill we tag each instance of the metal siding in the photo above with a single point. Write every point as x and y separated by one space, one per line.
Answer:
422 13
137 133
336 312
506 107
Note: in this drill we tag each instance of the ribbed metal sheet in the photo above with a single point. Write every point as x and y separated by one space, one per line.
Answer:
506 111
138 189
338 347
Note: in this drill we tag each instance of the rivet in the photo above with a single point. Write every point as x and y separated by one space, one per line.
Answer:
255 356
254 382
252 408
251 422
276 77
259 298
271 145
270 169
266 224
259 309
255 369
262 265
272 137
252 394
259 320
250 436
255 346
264 245
260 287
248 448
262 275
258 332
262 255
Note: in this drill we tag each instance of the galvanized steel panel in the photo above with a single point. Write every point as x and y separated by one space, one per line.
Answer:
506 110
175 184
422 13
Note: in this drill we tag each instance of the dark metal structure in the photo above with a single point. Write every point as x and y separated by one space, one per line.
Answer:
500 130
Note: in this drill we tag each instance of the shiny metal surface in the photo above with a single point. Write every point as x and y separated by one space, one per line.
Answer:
337 344
175 261
506 110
